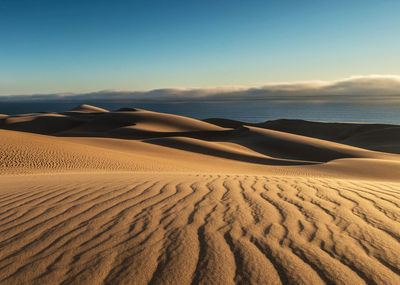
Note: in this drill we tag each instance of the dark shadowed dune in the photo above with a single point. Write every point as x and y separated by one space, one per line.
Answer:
40 123
129 122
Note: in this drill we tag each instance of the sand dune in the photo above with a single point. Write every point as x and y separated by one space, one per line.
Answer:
91 196
126 122
385 139
372 136
84 108
300 147
40 123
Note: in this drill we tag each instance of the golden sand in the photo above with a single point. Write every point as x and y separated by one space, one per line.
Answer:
137 197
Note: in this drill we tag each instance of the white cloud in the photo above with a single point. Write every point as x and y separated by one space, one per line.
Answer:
369 89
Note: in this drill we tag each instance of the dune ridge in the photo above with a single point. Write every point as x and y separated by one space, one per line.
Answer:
381 137
92 196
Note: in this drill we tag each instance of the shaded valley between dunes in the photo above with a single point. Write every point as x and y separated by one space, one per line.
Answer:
91 196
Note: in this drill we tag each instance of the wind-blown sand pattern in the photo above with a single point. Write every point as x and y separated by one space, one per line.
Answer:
195 204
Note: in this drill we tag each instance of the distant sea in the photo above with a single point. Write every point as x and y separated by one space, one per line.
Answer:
253 111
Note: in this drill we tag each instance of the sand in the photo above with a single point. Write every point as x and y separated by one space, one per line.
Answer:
90 196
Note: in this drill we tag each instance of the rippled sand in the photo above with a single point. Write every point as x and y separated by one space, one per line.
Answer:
209 229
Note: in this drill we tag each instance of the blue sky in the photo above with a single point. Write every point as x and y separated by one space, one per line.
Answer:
83 46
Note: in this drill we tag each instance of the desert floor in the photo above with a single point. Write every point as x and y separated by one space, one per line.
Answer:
90 196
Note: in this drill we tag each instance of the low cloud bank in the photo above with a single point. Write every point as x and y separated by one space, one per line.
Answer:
362 89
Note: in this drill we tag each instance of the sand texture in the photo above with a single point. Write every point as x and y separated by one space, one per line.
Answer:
90 196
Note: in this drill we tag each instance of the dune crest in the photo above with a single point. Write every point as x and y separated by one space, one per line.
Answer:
84 108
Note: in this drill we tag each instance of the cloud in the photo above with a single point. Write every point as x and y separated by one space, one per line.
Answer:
367 89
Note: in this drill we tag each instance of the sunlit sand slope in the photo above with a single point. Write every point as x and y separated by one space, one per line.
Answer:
197 229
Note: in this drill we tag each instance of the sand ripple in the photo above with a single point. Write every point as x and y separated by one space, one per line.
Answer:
197 229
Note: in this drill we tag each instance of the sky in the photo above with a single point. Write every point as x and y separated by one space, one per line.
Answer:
86 46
